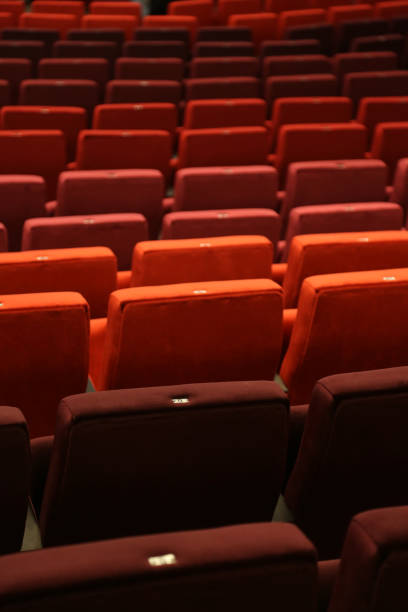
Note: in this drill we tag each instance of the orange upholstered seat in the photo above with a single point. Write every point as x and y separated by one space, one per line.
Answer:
189 332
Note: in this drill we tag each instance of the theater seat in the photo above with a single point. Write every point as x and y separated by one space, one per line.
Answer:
223 33
149 68
237 7
126 428
227 87
41 363
94 192
14 71
359 85
399 192
345 63
365 313
184 327
375 550
54 21
316 85
286 65
250 558
146 116
116 8
235 112
289 47
92 69
203 10
126 23
45 36
122 91
185 22
215 67
380 110
119 232
21 197
390 143
291 19
14 478
262 25
67 7
352 459
324 33
163 34
59 92
105 49
155 49
33 50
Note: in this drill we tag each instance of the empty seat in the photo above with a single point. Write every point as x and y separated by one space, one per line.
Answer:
5 93
59 92
52 21
108 35
120 191
143 91
328 476
289 47
127 23
308 110
89 271
388 10
375 550
326 182
92 69
291 19
368 84
399 191
253 557
210 67
315 85
21 197
228 87
324 33
150 116
155 48
324 141
285 65
365 314
236 7
163 34
331 218
41 362
14 478
224 49
224 222
116 8
86 48
219 188
14 7
390 143
203 10
70 120
341 252
262 25
224 113
67 7
165 262
223 146
343 63
47 36
118 232
27 49
40 152
338 14
184 326
393 43
14 71
166 68
348 30
223 33
379 110
185 22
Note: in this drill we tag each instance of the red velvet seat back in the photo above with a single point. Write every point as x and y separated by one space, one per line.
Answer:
93 69
45 353
147 444
201 114
345 323
213 67
390 143
53 21
14 478
126 23
234 566
120 91
59 92
197 332
353 455
86 48
149 68
223 87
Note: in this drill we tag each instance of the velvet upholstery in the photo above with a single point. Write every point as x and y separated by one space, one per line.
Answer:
57 92
167 68
344 63
343 252
33 50
289 47
338 14
324 33
212 67
359 85
164 262
331 218
155 49
291 19
262 25
396 8
110 35
299 85
21 197
89 271
238 567
237 7
394 43
390 143
345 323
150 116
39 152
126 23
67 7
285 65
225 187
198 332
86 48
378 110
223 33
201 114
374 562
162 34
53 21
45 350
118 232
148 437
186 22
45 36
325 182
201 9
15 70
223 146
14 478
135 91
352 455
93 69
222 87
399 192
110 192
116 8
226 222
349 30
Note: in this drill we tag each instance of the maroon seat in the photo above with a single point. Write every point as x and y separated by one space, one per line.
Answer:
286 65
227 87
344 63
93 192
359 85
289 47
93 69
113 35
119 232
14 478
348 30
163 34
86 48
55 92
388 42
399 191
323 32
46 36
155 48
210 67
145 436
32 50
150 68
224 49
374 565
239 567
122 91
14 71
299 86
223 33
353 455
21 197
